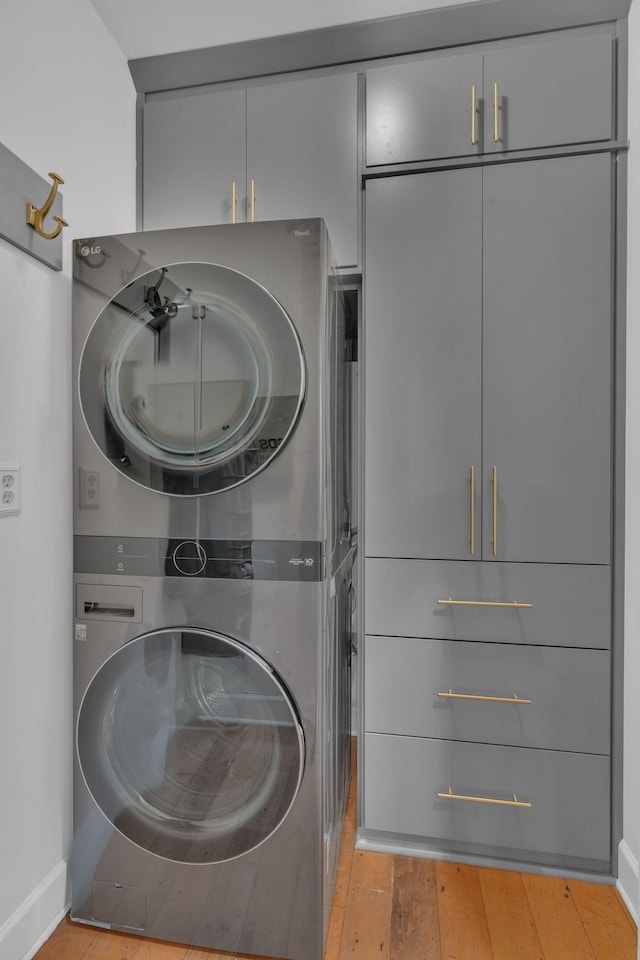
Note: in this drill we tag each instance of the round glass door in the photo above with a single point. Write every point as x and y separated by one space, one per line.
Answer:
191 379
190 745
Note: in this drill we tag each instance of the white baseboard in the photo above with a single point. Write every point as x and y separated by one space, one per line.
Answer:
628 883
22 935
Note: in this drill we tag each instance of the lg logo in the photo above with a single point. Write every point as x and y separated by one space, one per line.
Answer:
86 251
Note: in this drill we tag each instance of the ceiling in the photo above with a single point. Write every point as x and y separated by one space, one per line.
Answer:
145 28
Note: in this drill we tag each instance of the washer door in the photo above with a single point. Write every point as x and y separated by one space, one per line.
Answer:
191 379
190 745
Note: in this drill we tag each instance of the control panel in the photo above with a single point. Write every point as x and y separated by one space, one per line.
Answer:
190 558
212 559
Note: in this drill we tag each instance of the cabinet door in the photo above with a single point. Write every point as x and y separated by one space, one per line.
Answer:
547 359
194 148
422 362
302 155
549 92
424 110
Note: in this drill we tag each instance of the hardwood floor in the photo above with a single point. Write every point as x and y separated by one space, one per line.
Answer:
400 908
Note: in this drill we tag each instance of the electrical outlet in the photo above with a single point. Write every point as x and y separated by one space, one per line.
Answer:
9 490
89 489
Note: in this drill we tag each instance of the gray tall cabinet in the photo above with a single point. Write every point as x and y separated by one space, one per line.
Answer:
489 292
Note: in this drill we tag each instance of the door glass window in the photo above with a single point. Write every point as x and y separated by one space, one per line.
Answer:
190 745
191 379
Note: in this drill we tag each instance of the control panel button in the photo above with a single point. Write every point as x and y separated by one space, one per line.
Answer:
189 558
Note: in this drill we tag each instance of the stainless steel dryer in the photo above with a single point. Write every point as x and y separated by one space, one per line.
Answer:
206 363
212 562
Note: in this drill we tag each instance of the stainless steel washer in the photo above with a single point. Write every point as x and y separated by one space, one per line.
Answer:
211 743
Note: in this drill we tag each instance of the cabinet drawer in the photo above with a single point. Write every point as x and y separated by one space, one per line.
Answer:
568 793
570 604
568 690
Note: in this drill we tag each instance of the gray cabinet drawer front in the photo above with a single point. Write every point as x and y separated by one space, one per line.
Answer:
568 793
570 604
568 689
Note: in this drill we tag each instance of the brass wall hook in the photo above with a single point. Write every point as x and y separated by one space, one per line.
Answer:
36 216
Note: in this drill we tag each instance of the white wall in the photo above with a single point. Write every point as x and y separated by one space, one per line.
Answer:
630 848
67 104
145 28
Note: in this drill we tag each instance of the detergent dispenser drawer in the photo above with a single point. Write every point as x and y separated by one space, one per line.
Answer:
100 601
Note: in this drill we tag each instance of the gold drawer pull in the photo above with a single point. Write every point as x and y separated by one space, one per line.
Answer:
513 605
450 695
499 803
474 113
496 114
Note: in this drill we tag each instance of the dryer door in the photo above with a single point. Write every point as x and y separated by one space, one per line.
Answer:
191 379
190 745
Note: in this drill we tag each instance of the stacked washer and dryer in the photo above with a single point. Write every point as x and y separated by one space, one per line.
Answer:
212 585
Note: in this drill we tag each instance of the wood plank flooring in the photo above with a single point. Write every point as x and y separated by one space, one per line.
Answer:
401 908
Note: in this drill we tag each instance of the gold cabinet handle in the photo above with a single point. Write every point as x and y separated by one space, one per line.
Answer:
474 112
494 481
472 510
252 202
496 114
450 695
510 605
500 803
234 200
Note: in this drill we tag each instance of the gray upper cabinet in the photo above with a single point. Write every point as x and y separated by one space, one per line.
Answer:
290 148
194 147
488 363
523 95
549 92
302 155
424 110
423 363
